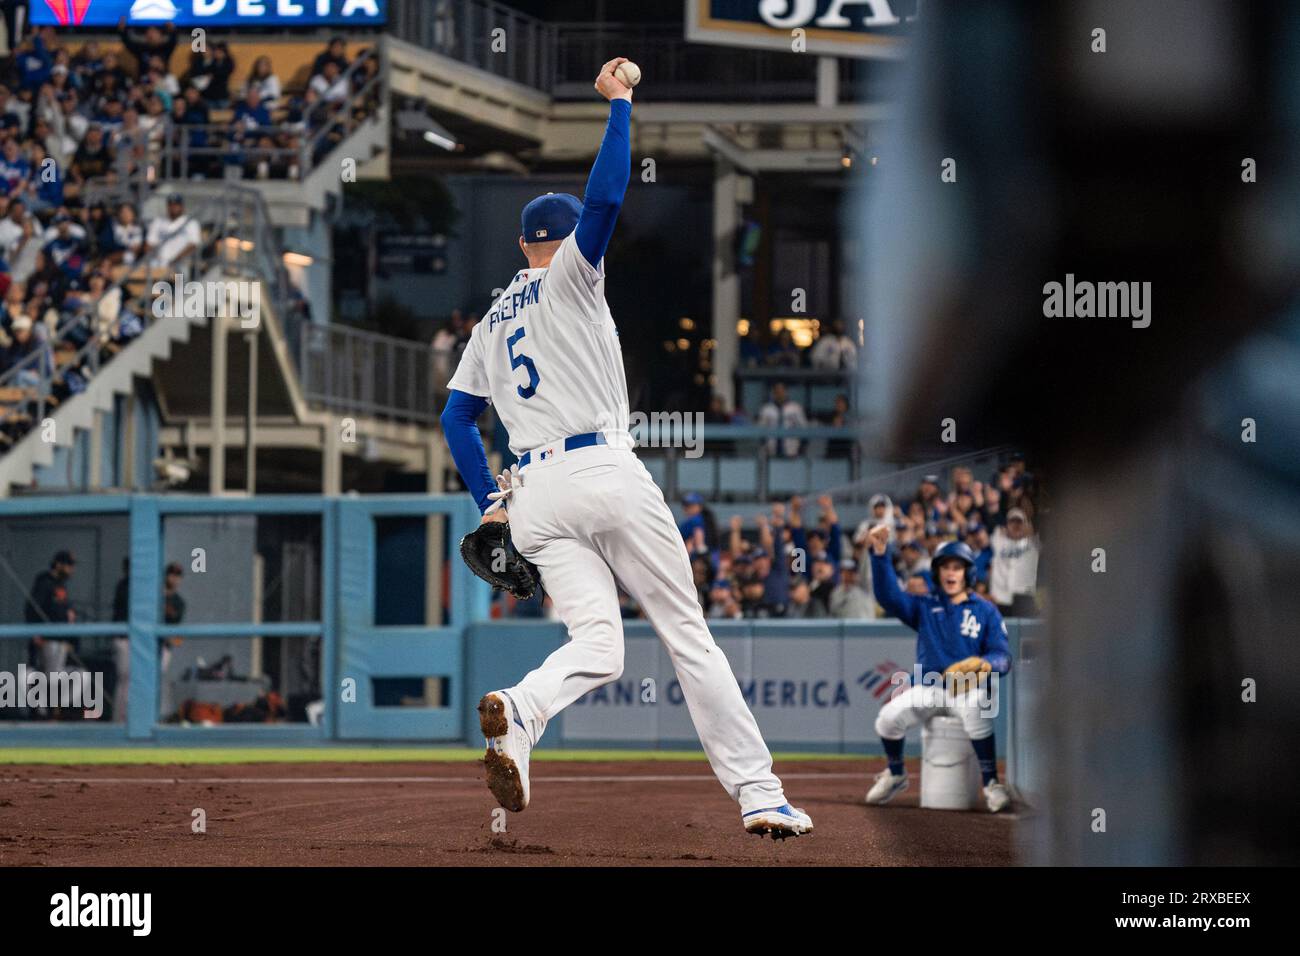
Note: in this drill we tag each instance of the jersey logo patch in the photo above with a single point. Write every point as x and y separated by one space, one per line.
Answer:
970 625
547 453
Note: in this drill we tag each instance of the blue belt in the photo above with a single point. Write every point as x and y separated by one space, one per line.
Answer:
570 444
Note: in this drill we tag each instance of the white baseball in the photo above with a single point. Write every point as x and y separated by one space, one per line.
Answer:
629 74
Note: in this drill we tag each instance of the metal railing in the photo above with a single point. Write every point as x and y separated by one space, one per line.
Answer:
42 374
561 58
464 30
210 149
678 70
340 368
351 370
182 151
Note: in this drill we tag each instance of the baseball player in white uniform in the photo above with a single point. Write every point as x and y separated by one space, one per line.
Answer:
580 505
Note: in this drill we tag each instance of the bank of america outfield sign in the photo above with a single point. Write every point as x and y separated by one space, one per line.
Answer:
210 13
857 28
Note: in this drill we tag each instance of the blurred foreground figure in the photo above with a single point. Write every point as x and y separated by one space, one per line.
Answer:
1109 278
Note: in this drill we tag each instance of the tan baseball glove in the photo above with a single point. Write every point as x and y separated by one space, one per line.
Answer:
954 674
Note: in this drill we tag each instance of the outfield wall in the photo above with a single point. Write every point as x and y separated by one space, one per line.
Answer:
814 686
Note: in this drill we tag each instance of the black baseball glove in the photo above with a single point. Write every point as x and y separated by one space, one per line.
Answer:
490 554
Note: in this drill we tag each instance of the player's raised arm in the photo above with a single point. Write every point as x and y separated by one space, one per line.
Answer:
884 582
610 172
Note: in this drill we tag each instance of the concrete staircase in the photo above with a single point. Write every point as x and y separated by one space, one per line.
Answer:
78 413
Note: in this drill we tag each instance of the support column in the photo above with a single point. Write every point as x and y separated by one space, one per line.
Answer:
217 414
128 441
250 418
726 281
95 477
828 81
434 533
331 460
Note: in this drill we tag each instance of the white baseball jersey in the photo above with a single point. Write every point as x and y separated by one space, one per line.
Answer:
547 354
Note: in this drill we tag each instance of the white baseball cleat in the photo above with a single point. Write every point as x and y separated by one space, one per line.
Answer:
996 796
508 747
783 821
886 787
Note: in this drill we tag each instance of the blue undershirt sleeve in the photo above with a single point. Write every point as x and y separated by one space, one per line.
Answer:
607 184
459 425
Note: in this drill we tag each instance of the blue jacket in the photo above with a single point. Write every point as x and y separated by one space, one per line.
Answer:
945 632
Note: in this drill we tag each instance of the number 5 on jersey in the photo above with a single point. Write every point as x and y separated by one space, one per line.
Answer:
523 360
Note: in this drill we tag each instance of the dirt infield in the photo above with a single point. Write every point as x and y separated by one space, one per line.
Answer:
440 814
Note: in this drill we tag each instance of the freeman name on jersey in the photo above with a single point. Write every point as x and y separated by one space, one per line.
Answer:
509 306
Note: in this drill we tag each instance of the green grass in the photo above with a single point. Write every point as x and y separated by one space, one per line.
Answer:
238 755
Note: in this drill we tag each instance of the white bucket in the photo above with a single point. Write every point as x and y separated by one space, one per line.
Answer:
950 771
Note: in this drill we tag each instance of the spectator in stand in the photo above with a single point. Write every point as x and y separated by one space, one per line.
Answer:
822 584
784 353
251 114
834 350
93 158
109 80
70 128
128 236
45 191
914 561
104 301
263 81
722 601
977 537
68 248
717 413
782 412
161 82
154 42
444 346
849 600
882 512
1013 576
34 60
330 85
367 71
919 583
111 117
21 344
153 124
841 416
23 257
15 170
99 233
773 574
11 228
173 236
801 603
210 75
335 52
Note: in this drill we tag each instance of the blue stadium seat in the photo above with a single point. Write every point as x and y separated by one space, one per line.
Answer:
658 468
738 476
787 476
821 398
696 474
829 473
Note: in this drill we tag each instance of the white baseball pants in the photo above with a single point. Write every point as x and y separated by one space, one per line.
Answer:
593 516
919 703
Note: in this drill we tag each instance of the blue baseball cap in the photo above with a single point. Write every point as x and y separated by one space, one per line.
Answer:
693 498
550 217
